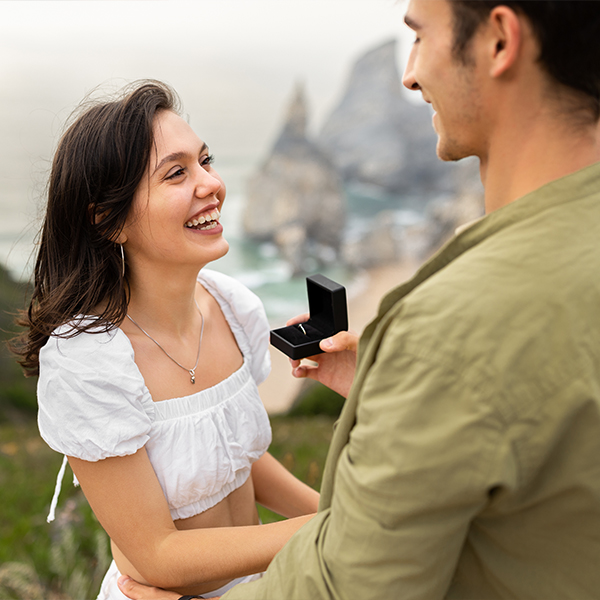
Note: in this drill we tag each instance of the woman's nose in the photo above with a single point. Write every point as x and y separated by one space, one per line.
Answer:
207 184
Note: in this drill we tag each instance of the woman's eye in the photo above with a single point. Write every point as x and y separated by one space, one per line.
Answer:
175 174
205 161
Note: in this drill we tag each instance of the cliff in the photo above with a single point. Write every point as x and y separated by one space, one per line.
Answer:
378 137
296 198
381 149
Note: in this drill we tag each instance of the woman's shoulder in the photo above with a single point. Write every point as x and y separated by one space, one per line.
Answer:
235 297
228 287
70 341
246 316
92 399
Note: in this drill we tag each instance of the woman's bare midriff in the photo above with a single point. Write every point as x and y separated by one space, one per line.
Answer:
237 509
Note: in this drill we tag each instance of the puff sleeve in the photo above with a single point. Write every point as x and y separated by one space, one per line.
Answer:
92 399
247 319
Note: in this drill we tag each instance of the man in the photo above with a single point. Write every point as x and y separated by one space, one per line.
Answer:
466 461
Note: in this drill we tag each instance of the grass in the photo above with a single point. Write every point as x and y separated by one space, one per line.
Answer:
300 444
66 560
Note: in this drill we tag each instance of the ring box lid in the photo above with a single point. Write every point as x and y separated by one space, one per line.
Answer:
327 305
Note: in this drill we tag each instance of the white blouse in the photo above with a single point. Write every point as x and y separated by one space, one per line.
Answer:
93 403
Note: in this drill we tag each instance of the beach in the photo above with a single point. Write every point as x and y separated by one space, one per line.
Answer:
280 389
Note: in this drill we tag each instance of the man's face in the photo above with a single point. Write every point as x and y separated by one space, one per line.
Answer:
451 87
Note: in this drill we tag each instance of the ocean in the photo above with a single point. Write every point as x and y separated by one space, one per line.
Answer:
235 82
257 265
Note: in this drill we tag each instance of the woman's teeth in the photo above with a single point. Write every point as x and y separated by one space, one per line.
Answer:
212 225
210 220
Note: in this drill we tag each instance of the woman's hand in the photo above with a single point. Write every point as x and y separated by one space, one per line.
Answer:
136 591
336 367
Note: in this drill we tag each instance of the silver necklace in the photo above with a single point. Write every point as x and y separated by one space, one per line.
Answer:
192 372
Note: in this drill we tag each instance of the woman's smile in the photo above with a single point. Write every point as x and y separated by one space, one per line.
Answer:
183 190
205 222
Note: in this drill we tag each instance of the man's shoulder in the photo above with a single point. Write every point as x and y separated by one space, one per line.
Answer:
519 301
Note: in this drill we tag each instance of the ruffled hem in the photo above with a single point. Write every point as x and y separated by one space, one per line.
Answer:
203 504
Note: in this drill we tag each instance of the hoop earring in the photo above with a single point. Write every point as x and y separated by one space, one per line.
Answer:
122 260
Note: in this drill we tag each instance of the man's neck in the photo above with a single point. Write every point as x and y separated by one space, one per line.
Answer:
524 156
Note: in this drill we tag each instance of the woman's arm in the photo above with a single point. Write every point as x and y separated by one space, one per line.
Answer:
278 490
127 499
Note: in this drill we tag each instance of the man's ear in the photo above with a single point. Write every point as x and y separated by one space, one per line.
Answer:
506 39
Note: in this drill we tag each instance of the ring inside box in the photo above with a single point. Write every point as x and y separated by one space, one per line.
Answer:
294 334
328 316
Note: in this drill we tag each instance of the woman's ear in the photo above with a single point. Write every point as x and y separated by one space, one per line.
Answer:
506 37
97 218
121 238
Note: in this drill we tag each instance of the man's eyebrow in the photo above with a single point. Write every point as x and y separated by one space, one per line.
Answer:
411 23
176 156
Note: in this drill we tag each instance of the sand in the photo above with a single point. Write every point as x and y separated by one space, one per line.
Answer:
280 389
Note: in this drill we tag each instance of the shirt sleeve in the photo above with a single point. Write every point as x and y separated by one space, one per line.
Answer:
92 399
416 470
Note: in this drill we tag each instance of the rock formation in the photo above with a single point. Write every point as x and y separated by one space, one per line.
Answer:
376 144
296 199
386 239
445 216
377 137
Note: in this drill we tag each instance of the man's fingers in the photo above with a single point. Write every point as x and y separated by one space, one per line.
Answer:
305 371
298 319
136 591
344 340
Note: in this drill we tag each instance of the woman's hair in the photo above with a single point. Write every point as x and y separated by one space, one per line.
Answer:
98 165
568 32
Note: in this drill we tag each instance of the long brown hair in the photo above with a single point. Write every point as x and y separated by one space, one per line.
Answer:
98 165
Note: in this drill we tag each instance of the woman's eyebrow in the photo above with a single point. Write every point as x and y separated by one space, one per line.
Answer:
176 156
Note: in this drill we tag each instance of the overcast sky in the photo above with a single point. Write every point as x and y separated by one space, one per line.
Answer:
234 63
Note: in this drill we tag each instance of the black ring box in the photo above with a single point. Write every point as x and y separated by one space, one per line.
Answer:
328 316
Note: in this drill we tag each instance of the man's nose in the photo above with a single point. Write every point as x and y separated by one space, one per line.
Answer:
409 79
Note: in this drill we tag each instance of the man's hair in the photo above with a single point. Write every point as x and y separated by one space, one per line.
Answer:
568 32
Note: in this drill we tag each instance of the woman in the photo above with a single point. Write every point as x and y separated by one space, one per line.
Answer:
148 363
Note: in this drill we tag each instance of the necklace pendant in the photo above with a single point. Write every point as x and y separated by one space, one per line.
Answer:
192 376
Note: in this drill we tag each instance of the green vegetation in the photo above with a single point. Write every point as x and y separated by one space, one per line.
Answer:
63 560
66 559
316 399
17 394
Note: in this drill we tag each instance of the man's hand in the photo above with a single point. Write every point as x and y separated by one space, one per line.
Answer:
336 367
136 591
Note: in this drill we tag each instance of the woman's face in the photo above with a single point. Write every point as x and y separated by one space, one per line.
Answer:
174 219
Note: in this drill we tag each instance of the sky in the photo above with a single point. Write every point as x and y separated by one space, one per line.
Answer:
234 63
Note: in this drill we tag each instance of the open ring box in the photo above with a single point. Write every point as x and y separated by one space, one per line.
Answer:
328 316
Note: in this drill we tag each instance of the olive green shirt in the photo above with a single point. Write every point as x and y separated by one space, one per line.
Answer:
466 461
